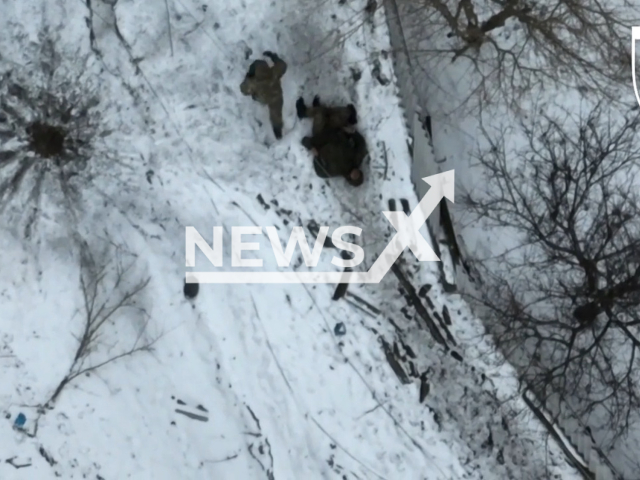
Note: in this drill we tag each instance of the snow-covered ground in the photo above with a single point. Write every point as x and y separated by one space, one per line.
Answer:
268 389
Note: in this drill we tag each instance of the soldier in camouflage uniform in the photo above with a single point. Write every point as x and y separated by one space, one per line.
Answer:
327 117
338 153
262 83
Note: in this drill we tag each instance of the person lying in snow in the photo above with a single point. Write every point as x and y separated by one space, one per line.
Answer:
327 117
262 83
338 153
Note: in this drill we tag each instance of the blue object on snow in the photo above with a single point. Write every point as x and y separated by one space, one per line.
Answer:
20 420
340 329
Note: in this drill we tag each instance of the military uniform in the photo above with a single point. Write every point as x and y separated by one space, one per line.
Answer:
339 154
262 83
326 117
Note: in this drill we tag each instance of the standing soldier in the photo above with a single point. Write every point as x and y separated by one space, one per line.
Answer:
262 83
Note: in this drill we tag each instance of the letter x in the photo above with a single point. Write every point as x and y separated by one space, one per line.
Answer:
409 236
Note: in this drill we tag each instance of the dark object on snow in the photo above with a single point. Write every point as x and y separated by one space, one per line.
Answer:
446 315
191 289
314 228
20 421
392 204
262 83
374 311
12 461
456 355
394 363
424 290
414 300
342 287
424 387
262 202
50 460
427 125
192 415
340 329
405 206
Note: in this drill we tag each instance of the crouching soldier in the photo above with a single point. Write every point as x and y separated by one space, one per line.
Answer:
262 83
327 117
338 153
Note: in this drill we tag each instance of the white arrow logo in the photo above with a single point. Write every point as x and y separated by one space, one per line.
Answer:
407 236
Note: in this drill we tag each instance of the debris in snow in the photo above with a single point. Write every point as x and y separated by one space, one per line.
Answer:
386 160
46 456
340 329
424 290
193 416
445 314
149 175
12 461
374 311
456 355
356 74
405 206
394 363
262 202
341 289
191 289
314 228
415 301
392 204
408 350
20 421
424 386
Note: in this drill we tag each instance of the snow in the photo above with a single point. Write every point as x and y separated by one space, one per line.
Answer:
174 144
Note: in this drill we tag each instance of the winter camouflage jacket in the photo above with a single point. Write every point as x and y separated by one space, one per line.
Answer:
262 81
339 152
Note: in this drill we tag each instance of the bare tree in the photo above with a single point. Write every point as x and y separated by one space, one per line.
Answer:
515 46
111 299
564 300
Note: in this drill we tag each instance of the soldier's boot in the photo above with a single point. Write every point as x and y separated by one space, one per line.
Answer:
306 143
301 108
353 114
275 116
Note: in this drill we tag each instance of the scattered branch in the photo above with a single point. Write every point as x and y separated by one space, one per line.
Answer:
108 295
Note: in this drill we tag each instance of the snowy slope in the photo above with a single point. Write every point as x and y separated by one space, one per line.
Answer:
172 143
